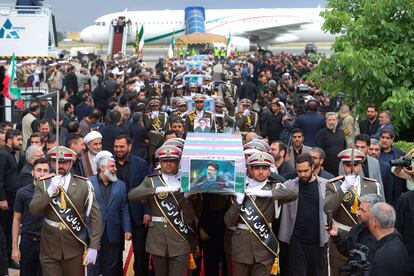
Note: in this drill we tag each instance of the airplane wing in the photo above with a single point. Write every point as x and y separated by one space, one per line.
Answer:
271 32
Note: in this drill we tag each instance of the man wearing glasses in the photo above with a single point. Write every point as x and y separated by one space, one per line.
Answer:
343 198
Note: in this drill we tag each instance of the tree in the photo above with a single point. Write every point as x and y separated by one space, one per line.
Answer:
373 55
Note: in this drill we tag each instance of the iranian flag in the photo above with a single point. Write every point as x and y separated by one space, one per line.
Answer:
10 92
140 40
230 47
171 48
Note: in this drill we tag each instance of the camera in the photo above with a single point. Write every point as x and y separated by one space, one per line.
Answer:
404 162
358 263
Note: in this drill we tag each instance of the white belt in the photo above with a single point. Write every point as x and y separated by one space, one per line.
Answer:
159 219
343 226
245 227
56 224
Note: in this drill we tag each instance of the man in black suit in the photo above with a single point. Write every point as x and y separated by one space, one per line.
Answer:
132 170
111 131
25 175
202 128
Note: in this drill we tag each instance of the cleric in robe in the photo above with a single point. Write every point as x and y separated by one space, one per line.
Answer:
211 181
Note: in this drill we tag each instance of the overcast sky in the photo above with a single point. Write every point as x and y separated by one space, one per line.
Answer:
74 15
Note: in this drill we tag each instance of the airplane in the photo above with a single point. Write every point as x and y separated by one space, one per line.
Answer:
248 27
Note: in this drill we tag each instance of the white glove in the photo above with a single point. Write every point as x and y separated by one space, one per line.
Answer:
90 257
166 189
260 193
246 112
56 182
153 115
349 182
240 197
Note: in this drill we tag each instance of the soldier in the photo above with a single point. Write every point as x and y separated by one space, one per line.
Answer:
156 124
208 86
170 239
254 246
246 119
177 87
198 113
181 110
229 93
66 200
192 89
342 198
222 120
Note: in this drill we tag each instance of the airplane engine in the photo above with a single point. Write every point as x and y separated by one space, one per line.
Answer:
243 44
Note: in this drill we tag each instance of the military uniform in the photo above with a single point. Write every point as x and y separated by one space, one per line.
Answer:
169 250
250 256
61 253
344 206
247 123
195 115
229 94
156 126
222 120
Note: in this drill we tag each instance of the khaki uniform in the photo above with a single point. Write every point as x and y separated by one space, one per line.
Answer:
60 252
229 97
156 128
223 121
249 123
249 255
334 198
170 251
192 116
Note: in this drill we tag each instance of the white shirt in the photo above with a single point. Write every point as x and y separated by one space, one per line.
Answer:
171 180
91 157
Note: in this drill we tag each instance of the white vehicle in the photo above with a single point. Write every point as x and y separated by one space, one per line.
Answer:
246 26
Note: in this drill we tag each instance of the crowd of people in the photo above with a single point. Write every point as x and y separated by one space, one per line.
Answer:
320 188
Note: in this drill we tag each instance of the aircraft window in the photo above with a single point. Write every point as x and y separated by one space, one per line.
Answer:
98 24
103 23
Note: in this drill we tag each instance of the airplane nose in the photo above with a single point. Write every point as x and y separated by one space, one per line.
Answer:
86 34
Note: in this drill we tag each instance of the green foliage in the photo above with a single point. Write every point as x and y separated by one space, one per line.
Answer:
404 145
373 56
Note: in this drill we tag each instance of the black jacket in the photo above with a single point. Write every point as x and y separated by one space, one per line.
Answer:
25 176
8 173
248 91
109 133
332 143
405 221
391 257
367 128
359 233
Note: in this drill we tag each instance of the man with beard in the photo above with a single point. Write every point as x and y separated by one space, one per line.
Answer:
59 198
297 146
111 195
170 239
27 226
211 180
332 140
251 254
278 150
302 224
318 156
132 170
360 232
370 125
93 142
8 186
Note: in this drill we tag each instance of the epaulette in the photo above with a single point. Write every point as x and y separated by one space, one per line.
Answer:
47 176
370 179
341 177
80 177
